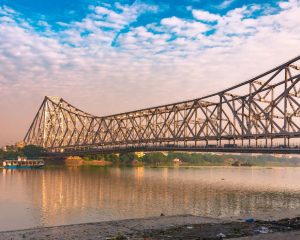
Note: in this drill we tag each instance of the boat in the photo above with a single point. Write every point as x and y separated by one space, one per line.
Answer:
23 162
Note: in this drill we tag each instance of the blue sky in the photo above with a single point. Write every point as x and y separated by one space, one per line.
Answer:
111 56
121 24
68 10
56 14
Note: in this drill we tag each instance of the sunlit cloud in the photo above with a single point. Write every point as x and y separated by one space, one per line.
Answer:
205 16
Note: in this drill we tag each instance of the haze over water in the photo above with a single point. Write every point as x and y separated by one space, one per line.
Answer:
56 196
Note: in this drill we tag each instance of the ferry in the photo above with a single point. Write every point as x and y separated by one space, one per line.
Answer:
23 162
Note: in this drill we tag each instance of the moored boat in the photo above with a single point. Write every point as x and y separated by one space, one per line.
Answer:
23 162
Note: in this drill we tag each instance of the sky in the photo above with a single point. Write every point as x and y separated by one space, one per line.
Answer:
109 56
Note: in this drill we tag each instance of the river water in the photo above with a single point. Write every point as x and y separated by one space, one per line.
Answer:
61 195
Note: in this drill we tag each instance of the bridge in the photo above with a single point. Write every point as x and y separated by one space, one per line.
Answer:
261 115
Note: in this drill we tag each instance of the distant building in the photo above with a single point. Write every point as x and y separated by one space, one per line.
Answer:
11 148
177 161
15 147
20 144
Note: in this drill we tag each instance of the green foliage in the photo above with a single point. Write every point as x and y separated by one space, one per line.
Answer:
2 154
93 157
107 157
112 158
32 151
194 159
11 155
197 159
126 158
156 158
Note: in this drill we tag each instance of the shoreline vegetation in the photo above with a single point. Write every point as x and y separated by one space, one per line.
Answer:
160 159
182 159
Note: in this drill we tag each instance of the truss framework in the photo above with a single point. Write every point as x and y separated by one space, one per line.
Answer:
263 111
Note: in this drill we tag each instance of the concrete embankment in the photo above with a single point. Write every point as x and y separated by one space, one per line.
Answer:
165 227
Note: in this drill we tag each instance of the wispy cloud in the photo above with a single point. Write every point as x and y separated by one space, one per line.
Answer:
225 4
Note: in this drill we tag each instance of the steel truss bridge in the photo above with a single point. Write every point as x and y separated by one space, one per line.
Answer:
260 115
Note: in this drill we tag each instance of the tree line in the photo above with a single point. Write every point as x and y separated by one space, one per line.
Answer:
194 159
29 151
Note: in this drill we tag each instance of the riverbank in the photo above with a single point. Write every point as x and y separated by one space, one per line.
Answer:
168 159
166 227
175 159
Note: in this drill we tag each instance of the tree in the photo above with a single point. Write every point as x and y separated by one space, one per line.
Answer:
127 158
2 154
112 158
32 151
11 155
155 158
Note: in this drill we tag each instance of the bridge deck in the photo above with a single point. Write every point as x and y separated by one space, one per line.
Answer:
262 150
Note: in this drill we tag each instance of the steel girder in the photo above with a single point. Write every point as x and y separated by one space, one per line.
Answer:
263 111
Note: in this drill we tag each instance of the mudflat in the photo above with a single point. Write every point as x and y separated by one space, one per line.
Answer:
166 227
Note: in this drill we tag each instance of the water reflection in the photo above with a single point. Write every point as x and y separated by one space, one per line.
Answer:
72 195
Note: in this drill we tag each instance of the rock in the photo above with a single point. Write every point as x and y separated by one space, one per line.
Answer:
263 230
221 235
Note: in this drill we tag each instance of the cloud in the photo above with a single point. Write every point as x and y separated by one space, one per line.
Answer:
102 24
183 27
166 60
288 4
225 4
205 16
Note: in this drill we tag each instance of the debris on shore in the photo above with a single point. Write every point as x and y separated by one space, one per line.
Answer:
215 231
185 227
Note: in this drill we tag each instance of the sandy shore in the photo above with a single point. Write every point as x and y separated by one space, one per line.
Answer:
165 227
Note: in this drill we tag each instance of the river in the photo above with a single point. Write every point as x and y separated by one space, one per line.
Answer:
61 195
